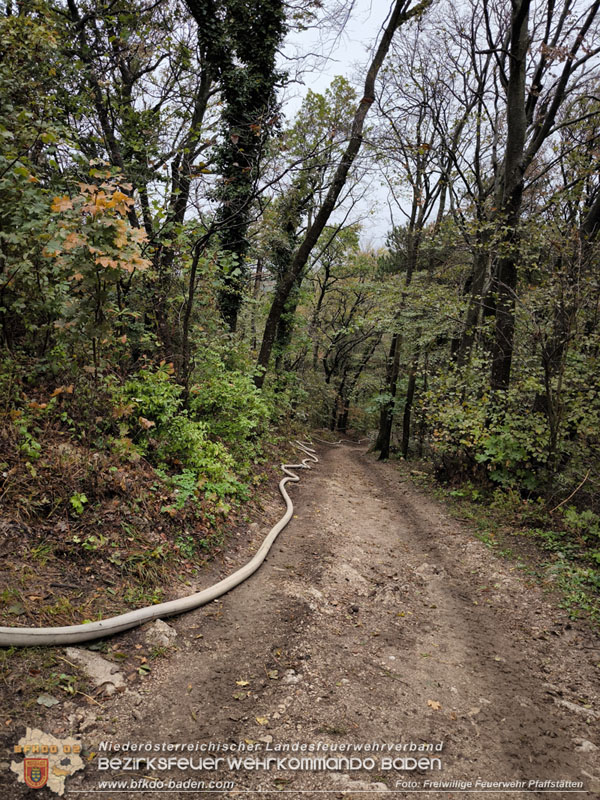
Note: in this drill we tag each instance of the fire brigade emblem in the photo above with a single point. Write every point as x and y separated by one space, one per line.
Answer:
35 772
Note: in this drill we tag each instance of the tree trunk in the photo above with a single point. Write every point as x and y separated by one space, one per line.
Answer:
505 284
255 296
399 15
474 310
386 417
410 393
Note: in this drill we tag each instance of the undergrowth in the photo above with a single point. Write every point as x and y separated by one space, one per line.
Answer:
113 487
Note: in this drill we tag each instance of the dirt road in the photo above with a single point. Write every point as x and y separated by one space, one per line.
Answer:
377 622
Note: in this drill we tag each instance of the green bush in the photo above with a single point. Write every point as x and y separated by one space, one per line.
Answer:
230 406
508 439
163 431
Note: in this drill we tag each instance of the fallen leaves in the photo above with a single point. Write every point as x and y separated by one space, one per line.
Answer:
63 390
434 704
47 700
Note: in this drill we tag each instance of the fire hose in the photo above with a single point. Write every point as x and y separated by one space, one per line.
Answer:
31 637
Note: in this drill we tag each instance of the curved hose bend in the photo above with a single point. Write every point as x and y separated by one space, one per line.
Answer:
26 637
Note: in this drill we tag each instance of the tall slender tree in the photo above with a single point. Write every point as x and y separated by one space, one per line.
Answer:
401 12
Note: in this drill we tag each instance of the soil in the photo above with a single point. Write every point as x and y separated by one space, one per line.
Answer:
376 620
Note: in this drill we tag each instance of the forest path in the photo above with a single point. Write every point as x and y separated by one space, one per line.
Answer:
375 619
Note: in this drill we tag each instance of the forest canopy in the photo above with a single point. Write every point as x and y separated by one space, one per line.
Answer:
183 267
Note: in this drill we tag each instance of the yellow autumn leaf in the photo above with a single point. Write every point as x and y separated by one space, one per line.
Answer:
262 720
434 704
121 237
117 198
140 263
120 202
243 683
61 204
105 261
73 240
139 235
97 204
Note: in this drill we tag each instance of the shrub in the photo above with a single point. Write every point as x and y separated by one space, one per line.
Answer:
230 406
162 430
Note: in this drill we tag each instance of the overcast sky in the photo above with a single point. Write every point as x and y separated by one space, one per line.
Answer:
321 55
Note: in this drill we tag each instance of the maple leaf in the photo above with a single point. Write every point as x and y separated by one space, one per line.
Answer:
105 261
98 204
434 704
139 235
139 263
73 240
120 202
61 204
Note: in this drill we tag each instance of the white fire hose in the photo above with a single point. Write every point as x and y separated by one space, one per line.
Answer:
30 637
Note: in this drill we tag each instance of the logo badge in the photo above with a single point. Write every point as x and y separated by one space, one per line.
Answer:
35 772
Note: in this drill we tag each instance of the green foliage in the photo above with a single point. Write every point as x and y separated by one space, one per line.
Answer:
78 501
28 444
140 597
585 523
472 427
234 410
163 430
94 245
92 542
242 46
186 545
